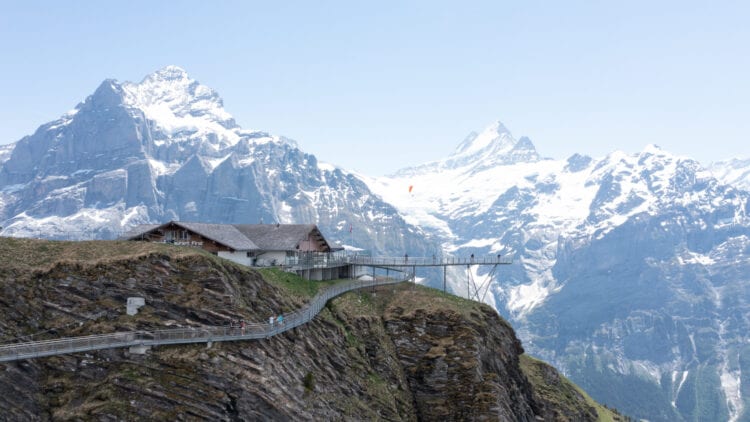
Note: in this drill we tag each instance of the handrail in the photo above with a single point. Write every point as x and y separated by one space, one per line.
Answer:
250 331
425 261
401 261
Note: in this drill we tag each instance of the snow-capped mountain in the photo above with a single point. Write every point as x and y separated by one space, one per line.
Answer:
165 148
734 172
632 271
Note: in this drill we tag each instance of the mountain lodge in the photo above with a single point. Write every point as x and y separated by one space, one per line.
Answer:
297 247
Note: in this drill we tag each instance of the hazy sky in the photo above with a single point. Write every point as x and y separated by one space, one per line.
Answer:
377 86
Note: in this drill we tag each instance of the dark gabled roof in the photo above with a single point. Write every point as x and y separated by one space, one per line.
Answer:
226 234
283 236
246 237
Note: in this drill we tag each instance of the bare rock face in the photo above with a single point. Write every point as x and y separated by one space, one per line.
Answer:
459 359
461 368
398 353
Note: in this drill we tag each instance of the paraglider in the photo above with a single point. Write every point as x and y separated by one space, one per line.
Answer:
410 188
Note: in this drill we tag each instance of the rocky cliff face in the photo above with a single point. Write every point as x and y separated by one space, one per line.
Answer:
401 353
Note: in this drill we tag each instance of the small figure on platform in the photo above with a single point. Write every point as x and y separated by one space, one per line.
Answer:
472 258
242 326
406 257
270 320
280 319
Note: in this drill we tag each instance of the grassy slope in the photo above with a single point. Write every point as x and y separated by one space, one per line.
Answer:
19 255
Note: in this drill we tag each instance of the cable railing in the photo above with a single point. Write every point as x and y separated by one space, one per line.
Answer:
144 338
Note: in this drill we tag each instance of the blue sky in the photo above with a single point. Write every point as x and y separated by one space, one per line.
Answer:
381 85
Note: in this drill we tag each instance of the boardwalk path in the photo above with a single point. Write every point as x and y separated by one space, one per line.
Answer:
35 349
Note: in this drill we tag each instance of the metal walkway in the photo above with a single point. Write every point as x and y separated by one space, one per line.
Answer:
394 261
252 331
408 265
421 261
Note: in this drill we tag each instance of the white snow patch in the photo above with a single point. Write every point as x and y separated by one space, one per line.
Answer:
14 188
81 172
731 385
677 390
351 248
215 162
6 151
160 168
477 243
134 216
696 258
326 166
525 297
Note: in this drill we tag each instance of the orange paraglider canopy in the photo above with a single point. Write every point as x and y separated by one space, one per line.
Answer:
410 188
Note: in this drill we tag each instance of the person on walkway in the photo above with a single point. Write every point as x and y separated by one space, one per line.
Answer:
406 257
280 319
242 327
472 258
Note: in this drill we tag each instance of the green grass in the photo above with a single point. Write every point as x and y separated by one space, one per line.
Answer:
294 284
291 283
25 255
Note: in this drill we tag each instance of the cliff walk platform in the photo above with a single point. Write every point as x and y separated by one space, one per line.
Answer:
139 341
323 267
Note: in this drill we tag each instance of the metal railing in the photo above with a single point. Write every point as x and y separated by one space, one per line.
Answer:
398 261
426 261
251 331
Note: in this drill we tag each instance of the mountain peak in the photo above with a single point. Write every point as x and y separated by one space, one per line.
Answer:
175 101
496 133
169 73
170 84
494 145
653 149
108 94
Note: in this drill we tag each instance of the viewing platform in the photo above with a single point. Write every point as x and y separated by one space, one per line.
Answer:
322 261
325 266
431 261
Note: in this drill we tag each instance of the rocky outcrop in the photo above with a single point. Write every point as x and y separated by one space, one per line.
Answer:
397 353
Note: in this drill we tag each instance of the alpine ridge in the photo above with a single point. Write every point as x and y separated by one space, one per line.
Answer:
631 270
493 146
164 149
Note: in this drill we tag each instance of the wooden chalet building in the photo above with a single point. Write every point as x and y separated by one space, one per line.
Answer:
296 247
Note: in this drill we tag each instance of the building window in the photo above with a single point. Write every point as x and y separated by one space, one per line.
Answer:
184 235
